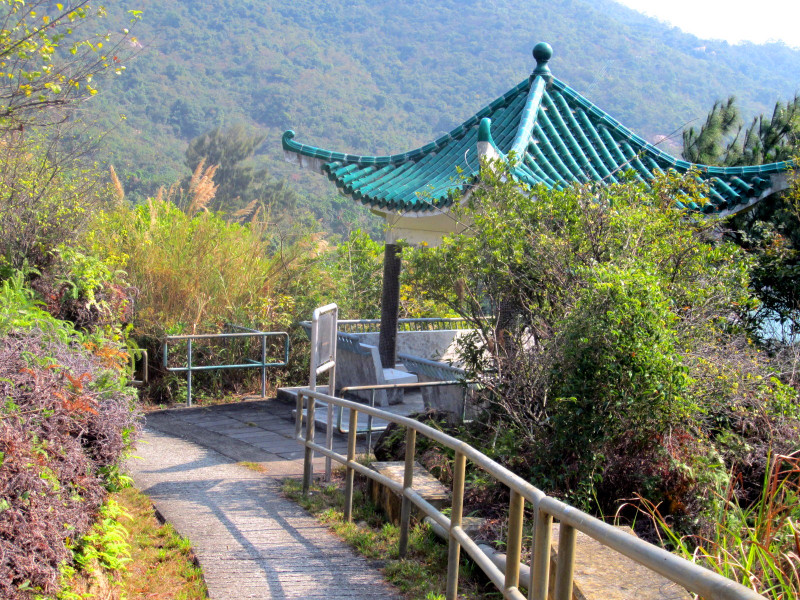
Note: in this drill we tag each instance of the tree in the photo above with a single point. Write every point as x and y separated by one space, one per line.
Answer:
43 202
721 140
771 230
706 146
47 61
624 365
243 188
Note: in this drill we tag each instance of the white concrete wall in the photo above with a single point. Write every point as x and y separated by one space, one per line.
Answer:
437 345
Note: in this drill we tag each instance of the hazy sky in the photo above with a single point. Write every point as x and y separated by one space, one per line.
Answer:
731 20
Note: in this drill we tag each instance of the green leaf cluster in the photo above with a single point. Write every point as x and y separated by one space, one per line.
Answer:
620 345
48 62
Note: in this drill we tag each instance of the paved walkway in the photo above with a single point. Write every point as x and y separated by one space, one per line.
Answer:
250 541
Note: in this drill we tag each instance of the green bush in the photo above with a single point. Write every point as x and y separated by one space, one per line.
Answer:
620 369
621 358
44 202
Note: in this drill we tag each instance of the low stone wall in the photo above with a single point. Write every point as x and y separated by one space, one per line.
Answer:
439 345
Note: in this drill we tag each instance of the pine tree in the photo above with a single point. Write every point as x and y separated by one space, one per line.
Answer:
766 140
707 146
771 229
241 186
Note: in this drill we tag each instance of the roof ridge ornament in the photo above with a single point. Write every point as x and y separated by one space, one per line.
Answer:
487 149
542 52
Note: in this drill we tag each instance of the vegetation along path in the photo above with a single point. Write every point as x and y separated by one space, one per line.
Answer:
250 541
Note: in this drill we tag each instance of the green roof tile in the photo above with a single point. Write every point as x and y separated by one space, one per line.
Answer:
559 138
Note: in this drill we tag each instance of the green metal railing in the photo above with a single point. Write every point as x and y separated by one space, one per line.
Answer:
144 359
424 324
249 364
690 576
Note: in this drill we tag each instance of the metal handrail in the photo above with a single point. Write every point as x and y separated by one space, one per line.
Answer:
384 386
250 364
691 576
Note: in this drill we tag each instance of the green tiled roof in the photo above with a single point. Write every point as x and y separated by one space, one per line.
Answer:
558 138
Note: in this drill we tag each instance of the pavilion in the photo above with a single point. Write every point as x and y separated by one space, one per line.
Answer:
558 138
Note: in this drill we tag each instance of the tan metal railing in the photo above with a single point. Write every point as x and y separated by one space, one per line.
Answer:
694 578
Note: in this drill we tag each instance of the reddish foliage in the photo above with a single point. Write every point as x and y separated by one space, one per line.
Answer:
114 303
56 433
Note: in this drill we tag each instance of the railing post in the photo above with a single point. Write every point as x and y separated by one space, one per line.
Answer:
369 424
189 372
329 441
145 367
298 421
454 547
565 565
351 456
308 465
263 366
540 566
408 482
514 542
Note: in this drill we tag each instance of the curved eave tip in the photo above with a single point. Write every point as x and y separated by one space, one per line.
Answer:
286 139
485 130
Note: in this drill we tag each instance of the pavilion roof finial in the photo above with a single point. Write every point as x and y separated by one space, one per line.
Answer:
542 52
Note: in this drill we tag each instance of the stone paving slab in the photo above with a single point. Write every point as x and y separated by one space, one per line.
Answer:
250 541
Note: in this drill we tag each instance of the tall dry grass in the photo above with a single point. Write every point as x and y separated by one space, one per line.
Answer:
758 545
189 270
194 270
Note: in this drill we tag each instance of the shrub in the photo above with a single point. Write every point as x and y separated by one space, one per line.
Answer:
43 203
84 290
621 355
67 417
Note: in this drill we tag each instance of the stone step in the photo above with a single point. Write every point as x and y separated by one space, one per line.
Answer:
390 502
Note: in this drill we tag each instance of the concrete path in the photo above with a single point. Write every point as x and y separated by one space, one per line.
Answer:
250 541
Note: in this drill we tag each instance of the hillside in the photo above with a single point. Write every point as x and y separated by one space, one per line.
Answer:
380 76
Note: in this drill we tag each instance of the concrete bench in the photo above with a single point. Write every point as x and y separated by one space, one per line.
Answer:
451 399
360 364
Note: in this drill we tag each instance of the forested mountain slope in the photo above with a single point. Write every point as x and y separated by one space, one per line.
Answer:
376 76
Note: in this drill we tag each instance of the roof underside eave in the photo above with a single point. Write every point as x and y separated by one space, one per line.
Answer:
779 182
306 162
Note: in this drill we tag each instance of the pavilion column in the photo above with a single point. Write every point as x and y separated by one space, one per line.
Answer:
390 305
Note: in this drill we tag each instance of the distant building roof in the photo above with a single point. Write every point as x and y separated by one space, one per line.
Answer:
557 137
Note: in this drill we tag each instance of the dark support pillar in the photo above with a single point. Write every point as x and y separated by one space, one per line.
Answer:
390 305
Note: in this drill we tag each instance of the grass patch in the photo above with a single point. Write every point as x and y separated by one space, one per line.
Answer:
421 575
162 565
132 555
158 563
253 466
